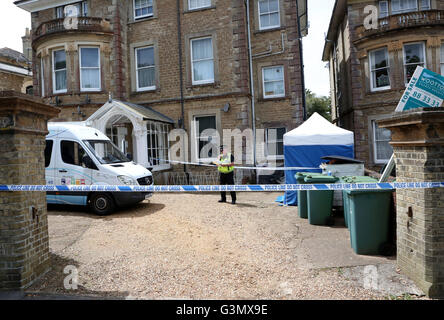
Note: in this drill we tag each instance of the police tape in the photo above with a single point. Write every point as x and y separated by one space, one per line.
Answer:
218 188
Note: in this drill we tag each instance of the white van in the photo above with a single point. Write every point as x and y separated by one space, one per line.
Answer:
80 155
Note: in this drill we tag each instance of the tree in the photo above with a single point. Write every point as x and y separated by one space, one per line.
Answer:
321 105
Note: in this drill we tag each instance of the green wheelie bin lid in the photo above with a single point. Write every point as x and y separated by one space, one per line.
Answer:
315 179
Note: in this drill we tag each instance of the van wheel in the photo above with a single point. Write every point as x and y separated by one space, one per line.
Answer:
102 204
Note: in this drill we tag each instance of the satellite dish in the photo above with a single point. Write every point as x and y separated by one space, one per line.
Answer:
226 107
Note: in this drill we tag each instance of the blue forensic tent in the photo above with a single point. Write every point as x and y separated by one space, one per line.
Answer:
305 145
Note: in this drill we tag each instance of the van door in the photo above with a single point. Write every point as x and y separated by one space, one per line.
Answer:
50 173
72 170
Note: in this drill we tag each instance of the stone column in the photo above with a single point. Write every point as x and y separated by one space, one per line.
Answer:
24 251
418 143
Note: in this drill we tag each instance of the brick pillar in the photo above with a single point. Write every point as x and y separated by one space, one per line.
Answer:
24 250
418 143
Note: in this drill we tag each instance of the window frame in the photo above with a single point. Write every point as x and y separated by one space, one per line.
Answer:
261 14
162 143
404 11
277 156
283 83
149 15
208 81
375 151
198 137
99 69
372 88
202 7
150 88
42 77
442 58
48 160
54 71
404 65
387 13
83 9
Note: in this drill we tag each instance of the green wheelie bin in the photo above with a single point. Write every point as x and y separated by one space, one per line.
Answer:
302 194
369 220
345 198
320 202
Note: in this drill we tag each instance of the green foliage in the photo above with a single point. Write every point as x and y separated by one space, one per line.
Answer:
321 105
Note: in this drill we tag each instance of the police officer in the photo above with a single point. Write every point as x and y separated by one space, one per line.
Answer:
225 166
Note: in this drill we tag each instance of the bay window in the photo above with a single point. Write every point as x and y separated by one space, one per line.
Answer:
59 71
401 6
379 69
143 9
414 56
202 61
269 16
90 69
273 82
145 69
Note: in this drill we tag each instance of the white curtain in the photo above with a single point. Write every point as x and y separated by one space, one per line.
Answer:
146 77
145 67
193 4
203 64
90 68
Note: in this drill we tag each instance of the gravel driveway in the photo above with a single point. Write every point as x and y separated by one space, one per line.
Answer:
189 246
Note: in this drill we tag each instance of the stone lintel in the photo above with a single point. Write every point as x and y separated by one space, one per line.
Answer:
418 127
18 113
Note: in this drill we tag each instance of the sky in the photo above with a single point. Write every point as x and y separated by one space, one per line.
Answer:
13 22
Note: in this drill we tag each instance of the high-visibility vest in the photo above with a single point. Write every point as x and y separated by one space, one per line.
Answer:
225 160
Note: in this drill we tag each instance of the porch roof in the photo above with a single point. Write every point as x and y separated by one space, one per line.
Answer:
138 111
146 112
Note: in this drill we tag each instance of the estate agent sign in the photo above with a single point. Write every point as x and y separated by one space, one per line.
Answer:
425 90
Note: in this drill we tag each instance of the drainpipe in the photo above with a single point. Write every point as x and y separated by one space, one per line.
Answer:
304 104
250 58
182 102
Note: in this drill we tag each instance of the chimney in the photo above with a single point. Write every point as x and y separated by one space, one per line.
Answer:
27 47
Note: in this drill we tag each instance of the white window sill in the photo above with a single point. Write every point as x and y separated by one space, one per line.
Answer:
90 90
197 83
60 91
143 17
147 89
275 96
380 89
269 27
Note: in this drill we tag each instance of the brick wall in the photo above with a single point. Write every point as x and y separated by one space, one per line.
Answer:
24 250
358 105
418 141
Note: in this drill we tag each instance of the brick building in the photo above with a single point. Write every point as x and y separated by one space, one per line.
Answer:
372 60
183 61
15 71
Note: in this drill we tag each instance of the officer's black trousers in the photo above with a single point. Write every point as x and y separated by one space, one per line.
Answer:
227 179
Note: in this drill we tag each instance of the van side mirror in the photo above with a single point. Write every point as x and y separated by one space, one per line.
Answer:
129 156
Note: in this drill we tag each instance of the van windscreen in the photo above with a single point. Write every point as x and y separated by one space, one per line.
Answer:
105 151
